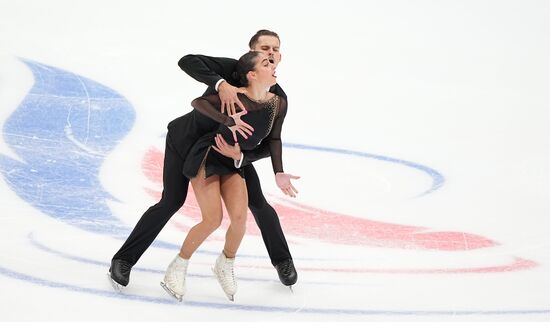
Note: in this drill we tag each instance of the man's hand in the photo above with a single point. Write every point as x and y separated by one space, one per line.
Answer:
283 182
228 97
226 149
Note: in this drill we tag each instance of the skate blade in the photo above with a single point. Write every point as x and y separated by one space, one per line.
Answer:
230 297
172 293
291 289
117 287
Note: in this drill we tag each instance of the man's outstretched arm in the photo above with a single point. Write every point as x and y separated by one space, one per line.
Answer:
216 73
207 70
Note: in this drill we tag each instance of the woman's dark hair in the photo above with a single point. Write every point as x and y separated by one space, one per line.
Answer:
246 63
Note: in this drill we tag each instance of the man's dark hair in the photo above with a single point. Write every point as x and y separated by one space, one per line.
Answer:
260 33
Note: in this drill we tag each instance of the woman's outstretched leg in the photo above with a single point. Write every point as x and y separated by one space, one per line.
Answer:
207 193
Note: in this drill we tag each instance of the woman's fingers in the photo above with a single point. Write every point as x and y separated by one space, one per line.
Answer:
247 126
289 190
241 122
246 130
290 193
241 113
242 133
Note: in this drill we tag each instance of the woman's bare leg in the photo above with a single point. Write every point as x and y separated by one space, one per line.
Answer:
207 192
235 197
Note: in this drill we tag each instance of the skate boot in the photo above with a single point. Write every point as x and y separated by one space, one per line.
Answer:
287 273
174 279
226 276
119 273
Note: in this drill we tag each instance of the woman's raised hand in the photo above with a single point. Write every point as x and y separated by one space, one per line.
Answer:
240 126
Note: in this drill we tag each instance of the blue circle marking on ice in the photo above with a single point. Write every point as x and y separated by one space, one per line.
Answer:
437 178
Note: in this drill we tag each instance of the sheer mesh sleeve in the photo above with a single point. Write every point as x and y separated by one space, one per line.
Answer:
275 144
210 106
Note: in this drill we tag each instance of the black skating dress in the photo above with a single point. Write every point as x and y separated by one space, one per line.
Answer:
266 117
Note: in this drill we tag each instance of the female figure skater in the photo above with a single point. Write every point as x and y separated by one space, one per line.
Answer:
215 177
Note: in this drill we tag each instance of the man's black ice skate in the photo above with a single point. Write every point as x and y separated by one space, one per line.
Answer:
287 272
119 273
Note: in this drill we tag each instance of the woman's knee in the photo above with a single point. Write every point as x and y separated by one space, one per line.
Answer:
238 219
212 223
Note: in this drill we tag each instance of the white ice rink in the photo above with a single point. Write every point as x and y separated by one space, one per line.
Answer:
420 130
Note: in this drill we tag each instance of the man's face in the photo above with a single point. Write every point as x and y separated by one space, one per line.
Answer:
269 45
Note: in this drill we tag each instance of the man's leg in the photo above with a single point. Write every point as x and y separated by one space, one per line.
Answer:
155 218
270 227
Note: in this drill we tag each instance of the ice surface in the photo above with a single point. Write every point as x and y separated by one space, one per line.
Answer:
420 131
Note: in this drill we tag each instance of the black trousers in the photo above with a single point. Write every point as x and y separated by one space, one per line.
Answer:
173 197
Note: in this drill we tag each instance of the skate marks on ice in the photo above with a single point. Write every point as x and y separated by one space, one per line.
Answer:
260 308
203 290
62 132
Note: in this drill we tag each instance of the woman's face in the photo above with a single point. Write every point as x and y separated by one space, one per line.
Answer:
264 71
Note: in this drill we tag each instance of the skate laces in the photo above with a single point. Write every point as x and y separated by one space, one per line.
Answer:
227 268
228 273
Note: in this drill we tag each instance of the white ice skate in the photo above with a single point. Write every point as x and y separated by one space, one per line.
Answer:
225 275
174 279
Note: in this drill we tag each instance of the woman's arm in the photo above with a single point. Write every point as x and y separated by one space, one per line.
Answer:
210 107
274 138
275 146
259 152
